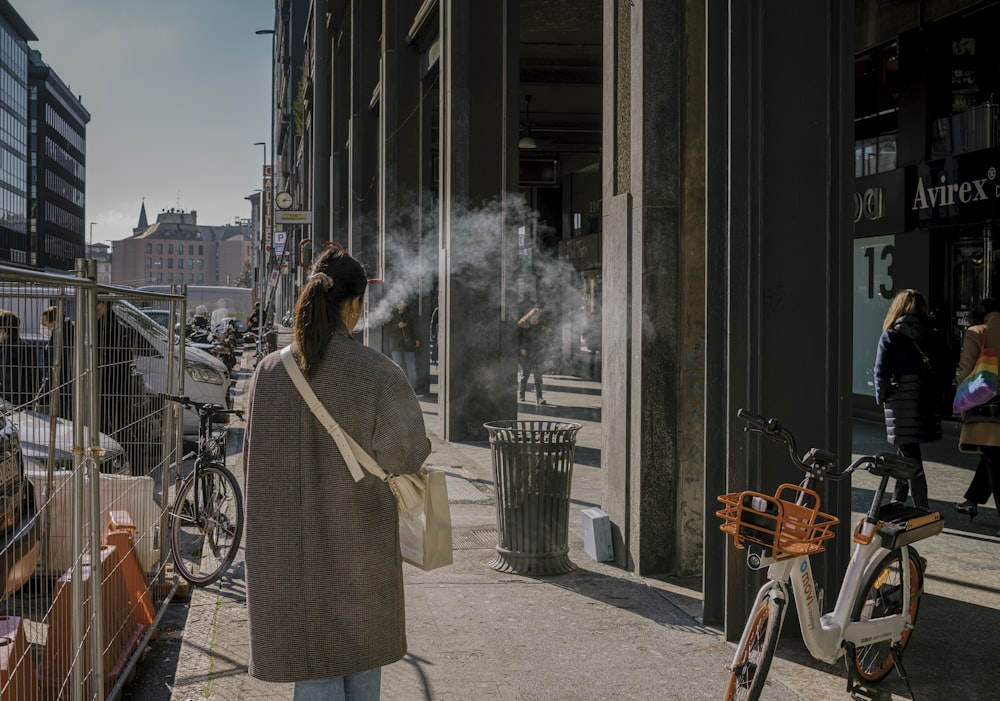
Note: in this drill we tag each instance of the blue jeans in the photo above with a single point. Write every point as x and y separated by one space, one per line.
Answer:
410 359
363 686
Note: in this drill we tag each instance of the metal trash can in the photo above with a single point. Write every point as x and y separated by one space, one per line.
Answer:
532 472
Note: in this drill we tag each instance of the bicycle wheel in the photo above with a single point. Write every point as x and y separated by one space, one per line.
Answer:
204 540
753 659
882 595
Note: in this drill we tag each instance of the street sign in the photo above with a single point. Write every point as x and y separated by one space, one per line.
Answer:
279 242
293 216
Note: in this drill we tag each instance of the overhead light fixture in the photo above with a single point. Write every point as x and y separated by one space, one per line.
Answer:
527 141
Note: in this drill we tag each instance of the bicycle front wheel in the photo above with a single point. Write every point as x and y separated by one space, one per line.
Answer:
882 595
753 659
206 524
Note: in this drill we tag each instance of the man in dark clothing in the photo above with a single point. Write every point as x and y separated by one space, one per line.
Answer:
530 351
403 340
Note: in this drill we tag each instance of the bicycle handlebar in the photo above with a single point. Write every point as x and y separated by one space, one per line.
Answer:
823 464
199 407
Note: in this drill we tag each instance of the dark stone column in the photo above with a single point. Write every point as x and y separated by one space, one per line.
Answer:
410 268
478 88
653 283
363 134
778 331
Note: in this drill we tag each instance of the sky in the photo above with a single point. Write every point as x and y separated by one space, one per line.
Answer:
178 92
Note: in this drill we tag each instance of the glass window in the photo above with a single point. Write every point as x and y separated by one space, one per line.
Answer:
876 109
149 248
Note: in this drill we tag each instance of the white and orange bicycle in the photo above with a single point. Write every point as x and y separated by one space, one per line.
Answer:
876 609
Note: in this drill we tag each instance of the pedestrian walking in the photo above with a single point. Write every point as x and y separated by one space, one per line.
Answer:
323 566
981 425
531 332
909 367
403 340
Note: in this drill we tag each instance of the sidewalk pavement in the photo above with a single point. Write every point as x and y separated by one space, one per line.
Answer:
600 632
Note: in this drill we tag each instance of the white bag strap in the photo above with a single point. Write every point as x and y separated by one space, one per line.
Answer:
349 448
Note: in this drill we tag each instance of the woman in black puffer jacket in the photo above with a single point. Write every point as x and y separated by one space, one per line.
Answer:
909 369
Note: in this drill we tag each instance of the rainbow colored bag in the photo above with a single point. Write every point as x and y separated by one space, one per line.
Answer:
980 387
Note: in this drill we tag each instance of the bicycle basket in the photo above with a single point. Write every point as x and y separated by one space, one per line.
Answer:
777 523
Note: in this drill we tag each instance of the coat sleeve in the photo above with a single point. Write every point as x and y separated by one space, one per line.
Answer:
970 351
399 444
883 368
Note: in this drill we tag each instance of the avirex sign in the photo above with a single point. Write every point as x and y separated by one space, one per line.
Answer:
965 188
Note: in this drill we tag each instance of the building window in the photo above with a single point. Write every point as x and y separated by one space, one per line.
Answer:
159 277
170 263
158 262
149 248
876 110
190 250
149 262
170 277
180 263
159 248
201 250
201 277
149 276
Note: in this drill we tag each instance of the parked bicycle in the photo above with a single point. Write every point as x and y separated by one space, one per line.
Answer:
206 517
876 609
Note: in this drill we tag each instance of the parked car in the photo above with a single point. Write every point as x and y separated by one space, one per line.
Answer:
206 377
35 431
20 528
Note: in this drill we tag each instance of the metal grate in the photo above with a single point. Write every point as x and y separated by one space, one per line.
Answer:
475 539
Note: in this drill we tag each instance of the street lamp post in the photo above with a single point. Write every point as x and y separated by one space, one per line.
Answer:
262 248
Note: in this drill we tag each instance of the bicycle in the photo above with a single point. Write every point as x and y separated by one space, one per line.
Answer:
206 517
876 609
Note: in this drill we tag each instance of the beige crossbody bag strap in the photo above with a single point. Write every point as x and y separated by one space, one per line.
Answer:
349 448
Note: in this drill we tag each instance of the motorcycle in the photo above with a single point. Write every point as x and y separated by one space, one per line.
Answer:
201 336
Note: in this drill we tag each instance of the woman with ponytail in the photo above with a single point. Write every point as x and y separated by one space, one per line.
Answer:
323 568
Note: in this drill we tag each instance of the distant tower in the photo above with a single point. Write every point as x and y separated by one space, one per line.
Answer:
143 222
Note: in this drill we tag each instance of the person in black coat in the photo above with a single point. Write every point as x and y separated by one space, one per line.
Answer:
531 333
17 366
60 383
910 367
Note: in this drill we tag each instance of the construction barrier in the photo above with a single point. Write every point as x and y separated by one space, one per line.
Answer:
17 672
89 458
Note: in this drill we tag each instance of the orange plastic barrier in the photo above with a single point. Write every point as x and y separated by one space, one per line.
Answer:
140 602
17 673
127 615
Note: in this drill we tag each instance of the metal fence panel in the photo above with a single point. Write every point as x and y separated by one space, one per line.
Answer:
89 456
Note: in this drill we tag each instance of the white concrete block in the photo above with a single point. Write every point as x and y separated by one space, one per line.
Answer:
597 534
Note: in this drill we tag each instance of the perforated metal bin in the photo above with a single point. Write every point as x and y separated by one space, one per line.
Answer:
533 473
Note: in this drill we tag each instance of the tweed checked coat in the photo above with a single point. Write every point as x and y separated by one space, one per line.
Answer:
324 573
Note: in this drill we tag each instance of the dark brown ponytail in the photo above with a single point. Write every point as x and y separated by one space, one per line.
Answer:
336 279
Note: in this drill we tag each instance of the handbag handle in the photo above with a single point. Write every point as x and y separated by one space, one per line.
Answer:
354 454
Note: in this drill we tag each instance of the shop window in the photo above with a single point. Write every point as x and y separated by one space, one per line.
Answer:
964 114
876 110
